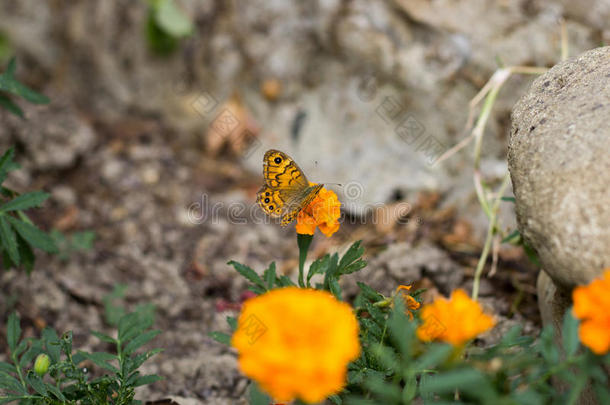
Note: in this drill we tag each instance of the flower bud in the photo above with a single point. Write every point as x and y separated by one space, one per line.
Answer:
41 365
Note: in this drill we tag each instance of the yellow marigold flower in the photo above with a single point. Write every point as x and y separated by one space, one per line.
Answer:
296 343
455 320
411 303
323 212
592 307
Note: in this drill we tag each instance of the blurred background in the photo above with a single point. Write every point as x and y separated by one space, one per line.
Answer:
161 111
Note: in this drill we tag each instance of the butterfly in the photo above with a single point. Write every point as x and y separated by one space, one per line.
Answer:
286 190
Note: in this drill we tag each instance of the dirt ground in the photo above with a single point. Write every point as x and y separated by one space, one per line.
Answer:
137 189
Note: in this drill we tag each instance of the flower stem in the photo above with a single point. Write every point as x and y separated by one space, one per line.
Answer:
303 241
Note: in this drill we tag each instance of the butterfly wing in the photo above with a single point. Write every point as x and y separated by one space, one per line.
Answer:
286 190
271 201
293 206
280 171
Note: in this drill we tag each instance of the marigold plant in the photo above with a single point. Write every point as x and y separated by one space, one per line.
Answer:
591 306
323 212
455 320
296 343
411 303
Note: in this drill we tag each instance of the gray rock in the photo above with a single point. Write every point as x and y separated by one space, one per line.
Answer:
559 164
560 167
54 135
403 263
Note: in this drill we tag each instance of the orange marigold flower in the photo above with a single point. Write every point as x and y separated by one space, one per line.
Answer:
296 343
411 303
323 212
455 320
592 307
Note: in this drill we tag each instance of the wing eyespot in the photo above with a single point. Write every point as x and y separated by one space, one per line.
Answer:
277 160
267 200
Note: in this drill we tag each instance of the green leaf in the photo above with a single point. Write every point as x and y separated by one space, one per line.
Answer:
269 276
140 341
388 393
127 323
335 289
376 314
7 164
25 201
256 396
7 367
21 347
511 336
66 344
513 237
318 267
32 352
55 391
435 355
13 331
8 241
248 273
51 343
602 392
158 40
531 254
11 398
371 328
139 359
8 382
36 382
285 282
409 390
103 337
466 380
351 400
570 333
25 254
11 107
172 20
386 356
101 360
232 321
401 329
10 84
33 235
354 252
11 67
257 290
576 386
528 397
146 379
510 199
303 242
83 241
354 267
369 293
331 272
112 312
221 337
547 346
134 331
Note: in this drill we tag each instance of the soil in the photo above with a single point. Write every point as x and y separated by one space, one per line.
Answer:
126 153
139 191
